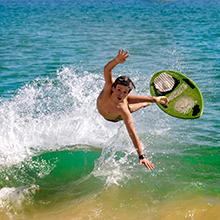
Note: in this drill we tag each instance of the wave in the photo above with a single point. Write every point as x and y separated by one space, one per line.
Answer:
50 113
48 177
51 167
55 149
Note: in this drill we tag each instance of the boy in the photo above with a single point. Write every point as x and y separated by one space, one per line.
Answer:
115 103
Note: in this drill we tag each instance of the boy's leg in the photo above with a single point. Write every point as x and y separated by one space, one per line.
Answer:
136 106
132 99
136 102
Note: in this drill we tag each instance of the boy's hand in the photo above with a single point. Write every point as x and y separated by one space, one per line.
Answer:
163 100
147 163
122 56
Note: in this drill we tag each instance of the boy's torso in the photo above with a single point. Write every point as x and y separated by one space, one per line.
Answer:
108 109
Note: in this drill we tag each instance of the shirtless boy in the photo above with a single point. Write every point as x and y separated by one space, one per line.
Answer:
115 103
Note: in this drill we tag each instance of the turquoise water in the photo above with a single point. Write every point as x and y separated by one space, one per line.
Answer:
52 55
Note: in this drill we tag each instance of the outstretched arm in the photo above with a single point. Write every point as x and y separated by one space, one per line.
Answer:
120 58
129 123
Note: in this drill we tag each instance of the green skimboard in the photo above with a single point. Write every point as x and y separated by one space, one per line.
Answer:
185 98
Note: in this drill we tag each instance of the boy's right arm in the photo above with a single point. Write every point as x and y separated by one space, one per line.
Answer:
128 120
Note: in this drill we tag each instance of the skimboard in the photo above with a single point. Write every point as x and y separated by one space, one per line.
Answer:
185 98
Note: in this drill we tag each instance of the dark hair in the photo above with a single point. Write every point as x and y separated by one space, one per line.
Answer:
125 81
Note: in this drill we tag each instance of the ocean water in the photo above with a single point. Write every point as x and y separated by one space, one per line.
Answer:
59 159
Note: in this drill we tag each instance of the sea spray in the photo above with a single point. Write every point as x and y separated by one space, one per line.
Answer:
52 113
57 116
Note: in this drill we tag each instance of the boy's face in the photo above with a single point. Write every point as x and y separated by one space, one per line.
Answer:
120 92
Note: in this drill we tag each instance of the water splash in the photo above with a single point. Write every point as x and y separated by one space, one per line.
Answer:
52 113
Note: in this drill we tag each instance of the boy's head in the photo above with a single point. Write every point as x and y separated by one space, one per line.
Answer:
125 81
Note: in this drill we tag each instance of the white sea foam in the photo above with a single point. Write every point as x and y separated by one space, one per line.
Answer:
52 113
12 199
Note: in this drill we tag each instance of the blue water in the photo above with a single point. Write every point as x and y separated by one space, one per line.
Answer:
52 55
